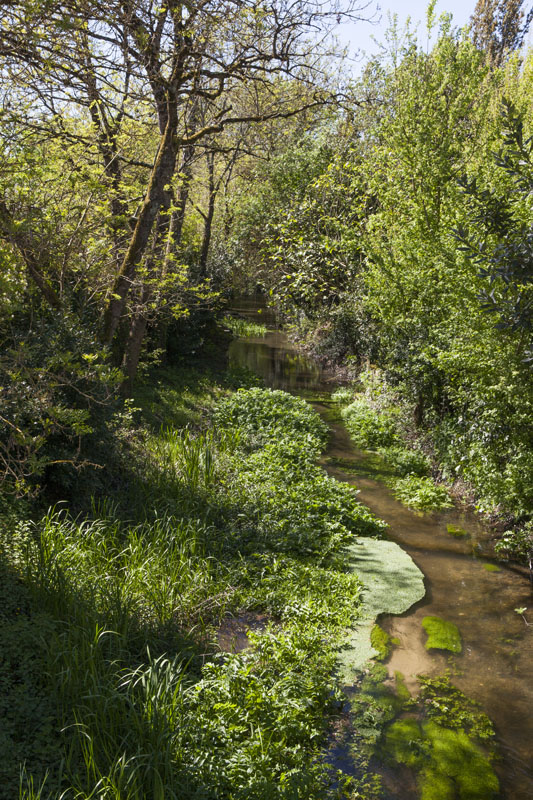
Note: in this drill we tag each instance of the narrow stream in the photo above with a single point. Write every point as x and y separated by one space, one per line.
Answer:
496 663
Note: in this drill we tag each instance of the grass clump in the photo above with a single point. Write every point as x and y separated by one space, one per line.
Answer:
243 328
442 635
421 494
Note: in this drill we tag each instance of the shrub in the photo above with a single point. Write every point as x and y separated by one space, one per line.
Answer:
368 428
421 494
406 462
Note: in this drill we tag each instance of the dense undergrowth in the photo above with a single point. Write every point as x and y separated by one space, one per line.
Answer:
113 682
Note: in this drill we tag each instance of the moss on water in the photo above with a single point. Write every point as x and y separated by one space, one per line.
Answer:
392 584
455 756
491 567
442 635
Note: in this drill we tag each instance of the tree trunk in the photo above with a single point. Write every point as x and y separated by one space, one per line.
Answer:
208 225
25 244
134 344
156 195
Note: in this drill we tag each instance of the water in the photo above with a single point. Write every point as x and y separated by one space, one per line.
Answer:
495 665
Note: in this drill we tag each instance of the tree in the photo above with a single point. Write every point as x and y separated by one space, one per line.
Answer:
498 27
503 247
109 57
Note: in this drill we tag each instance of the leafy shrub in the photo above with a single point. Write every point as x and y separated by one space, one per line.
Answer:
266 415
368 428
289 504
518 543
421 494
406 462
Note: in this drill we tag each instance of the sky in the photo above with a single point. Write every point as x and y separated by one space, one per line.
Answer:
358 35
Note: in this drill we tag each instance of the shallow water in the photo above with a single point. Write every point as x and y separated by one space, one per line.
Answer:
495 665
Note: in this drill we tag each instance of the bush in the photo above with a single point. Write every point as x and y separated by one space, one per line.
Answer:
406 462
370 429
421 494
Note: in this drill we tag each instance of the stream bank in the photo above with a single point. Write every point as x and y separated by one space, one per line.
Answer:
463 586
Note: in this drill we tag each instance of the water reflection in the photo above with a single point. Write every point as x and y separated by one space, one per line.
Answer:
281 366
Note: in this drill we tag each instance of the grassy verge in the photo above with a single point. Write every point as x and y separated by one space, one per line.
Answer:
113 682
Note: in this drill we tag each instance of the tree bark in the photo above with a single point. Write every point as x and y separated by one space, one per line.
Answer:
156 193
208 224
24 243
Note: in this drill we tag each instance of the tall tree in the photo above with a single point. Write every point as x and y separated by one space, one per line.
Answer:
168 58
499 27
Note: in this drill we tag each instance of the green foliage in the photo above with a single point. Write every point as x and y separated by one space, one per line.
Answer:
117 638
267 416
446 705
406 462
517 543
368 428
421 493
58 388
442 634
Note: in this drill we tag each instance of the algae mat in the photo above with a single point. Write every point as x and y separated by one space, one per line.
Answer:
392 584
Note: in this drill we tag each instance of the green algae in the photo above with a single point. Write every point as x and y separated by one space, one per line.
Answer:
392 584
455 756
450 764
445 704
404 743
491 567
402 692
442 635
457 532
380 641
